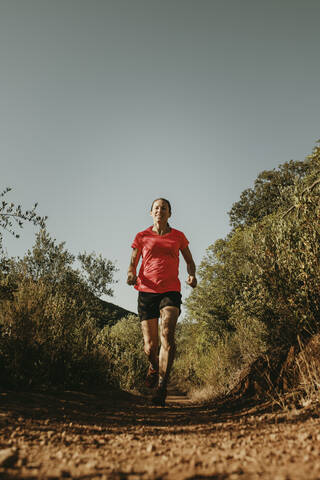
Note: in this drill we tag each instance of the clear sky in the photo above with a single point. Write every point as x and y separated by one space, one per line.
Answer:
108 104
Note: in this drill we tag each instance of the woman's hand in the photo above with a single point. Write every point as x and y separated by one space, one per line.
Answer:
131 279
192 281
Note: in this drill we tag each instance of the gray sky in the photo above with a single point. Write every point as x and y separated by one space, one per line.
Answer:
106 105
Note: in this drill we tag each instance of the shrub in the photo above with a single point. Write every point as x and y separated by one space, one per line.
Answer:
124 343
45 341
49 316
207 370
259 288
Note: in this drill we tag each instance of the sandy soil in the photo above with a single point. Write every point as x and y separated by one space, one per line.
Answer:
99 436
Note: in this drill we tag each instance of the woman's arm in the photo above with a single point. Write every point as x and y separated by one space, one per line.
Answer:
135 257
191 267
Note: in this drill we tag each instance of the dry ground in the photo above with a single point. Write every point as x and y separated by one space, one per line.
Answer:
100 436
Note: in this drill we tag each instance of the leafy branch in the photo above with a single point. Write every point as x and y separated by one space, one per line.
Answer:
308 189
13 216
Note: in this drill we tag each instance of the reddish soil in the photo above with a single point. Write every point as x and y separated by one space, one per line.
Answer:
99 436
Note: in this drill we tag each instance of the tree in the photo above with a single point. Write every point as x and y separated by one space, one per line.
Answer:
47 260
85 277
97 272
272 189
53 263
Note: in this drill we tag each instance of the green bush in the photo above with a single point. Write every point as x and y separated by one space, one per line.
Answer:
49 316
124 343
207 369
259 288
45 341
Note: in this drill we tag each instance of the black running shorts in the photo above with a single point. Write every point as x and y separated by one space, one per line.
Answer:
150 304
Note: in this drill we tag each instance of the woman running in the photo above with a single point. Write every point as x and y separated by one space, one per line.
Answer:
159 291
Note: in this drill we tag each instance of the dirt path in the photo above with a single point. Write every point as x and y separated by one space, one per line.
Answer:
82 436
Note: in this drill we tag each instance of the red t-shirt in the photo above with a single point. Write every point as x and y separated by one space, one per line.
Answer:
160 260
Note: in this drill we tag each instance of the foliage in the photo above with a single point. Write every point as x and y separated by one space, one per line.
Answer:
273 189
215 367
50 316
52 262
125 344
259 287
12 216
307 372
97 273
46 341
54 265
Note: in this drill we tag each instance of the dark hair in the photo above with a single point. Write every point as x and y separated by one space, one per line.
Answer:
164 200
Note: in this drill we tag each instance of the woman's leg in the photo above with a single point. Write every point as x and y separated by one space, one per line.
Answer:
169 317
151 341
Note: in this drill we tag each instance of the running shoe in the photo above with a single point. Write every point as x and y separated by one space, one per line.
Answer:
159 398
152 378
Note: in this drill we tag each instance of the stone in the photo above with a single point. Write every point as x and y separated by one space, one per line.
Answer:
150 448
8 457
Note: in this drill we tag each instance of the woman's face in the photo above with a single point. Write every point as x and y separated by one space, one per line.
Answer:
160 211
